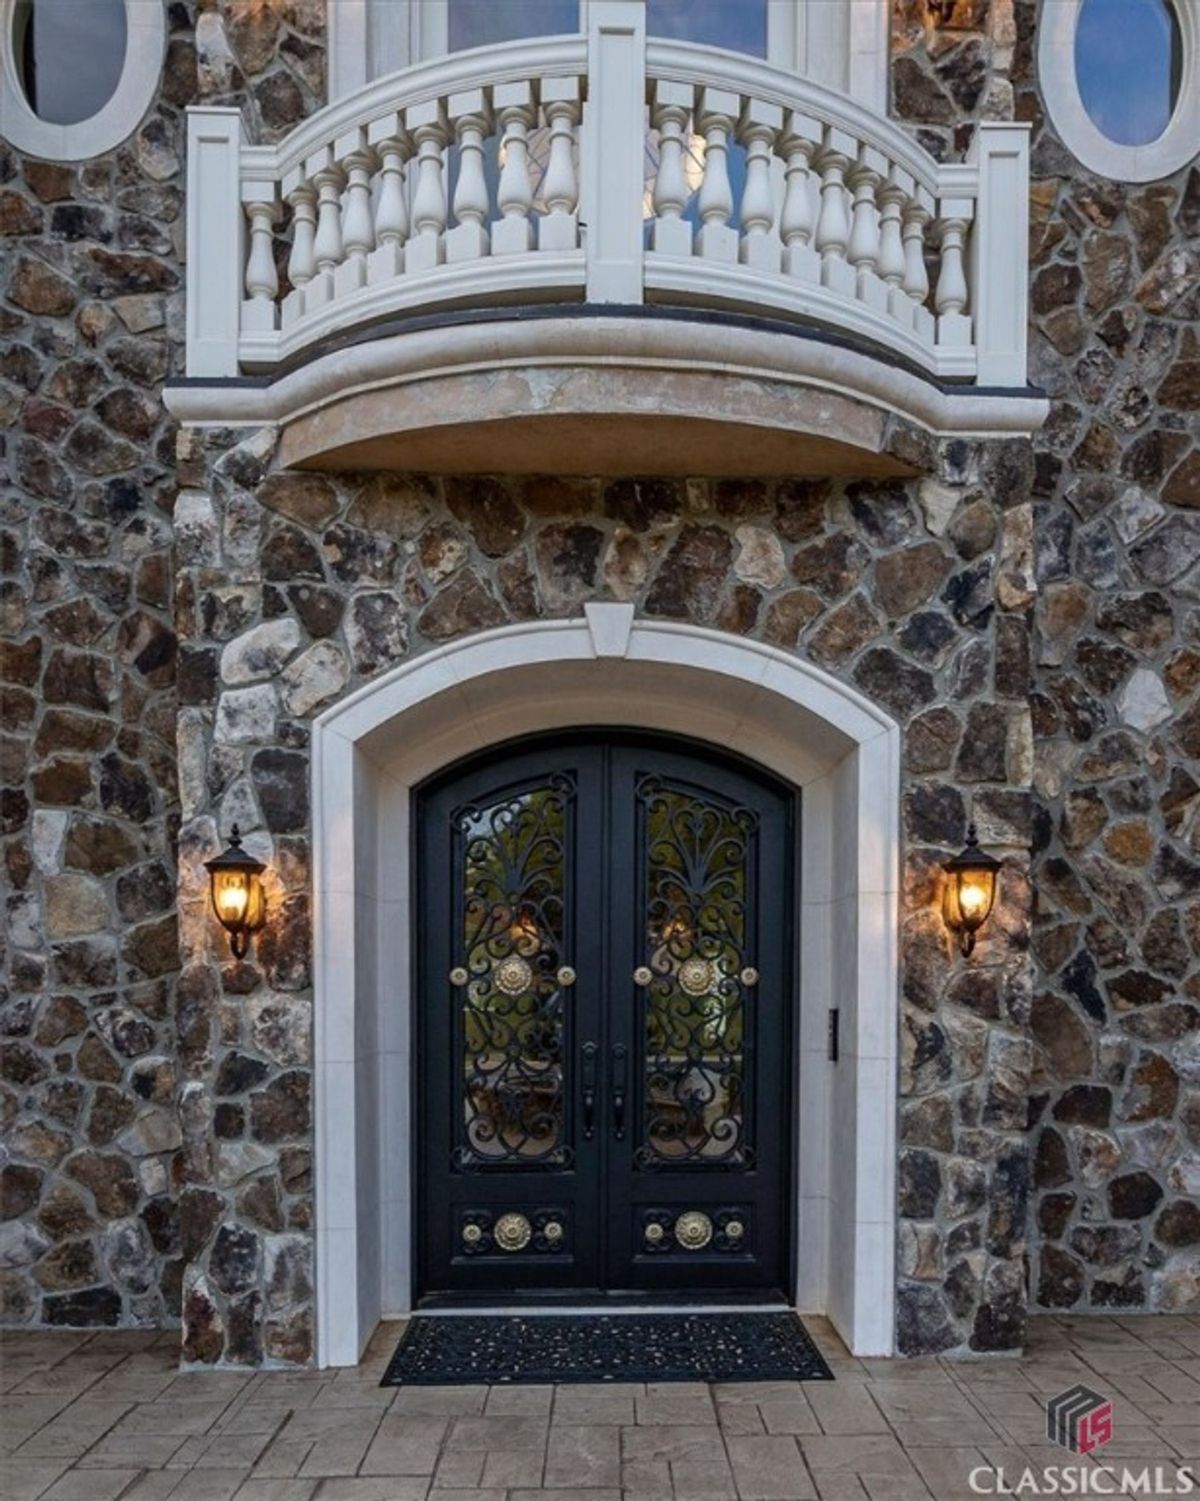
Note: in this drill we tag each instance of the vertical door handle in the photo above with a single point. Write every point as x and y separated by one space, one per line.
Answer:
589 1090
620 1063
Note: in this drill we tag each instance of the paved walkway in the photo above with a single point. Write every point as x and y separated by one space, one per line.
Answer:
106 1417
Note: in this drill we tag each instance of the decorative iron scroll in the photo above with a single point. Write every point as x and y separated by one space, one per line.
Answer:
512 859
541 1232
696 858
725 1231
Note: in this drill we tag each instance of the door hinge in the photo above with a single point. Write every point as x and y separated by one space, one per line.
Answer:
833 1034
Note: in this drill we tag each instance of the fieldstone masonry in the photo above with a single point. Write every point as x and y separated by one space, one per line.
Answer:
292 589
176 610
1115 284
91 324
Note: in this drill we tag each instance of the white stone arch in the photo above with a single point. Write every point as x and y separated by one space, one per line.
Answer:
605 668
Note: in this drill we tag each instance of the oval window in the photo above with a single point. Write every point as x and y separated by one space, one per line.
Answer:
1127 66
70 55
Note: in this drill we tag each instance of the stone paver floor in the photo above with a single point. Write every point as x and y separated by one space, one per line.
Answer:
107 1417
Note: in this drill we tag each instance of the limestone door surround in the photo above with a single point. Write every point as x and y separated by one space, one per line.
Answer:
605 668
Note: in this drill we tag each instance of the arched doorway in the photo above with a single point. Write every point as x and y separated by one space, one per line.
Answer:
374 749
605 998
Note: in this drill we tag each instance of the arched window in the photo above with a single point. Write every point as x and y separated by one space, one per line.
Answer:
1121 83
78 75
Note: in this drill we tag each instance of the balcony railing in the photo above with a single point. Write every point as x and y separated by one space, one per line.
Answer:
607 168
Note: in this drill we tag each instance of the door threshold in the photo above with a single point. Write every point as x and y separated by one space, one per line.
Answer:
447 1305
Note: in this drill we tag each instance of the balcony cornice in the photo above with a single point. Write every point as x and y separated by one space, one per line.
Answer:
480 381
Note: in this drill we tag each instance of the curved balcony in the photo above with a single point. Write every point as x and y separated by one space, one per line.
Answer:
605 169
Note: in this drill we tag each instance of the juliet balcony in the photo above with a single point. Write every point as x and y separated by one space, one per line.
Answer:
605 173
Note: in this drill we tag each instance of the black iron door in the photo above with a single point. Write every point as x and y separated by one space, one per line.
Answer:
604 1078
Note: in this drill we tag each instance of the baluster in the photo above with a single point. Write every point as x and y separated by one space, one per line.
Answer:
302 262
950 297
516 111
468 240
262 279
558 227
758 131
833 225
391 143
917 213
427 125
798 144
358 228
671 234
328 178
716 239
897 187
863 248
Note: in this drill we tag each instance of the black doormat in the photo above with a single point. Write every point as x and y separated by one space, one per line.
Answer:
471 1349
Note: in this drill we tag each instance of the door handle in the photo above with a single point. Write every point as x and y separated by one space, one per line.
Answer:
620 1061
589 1090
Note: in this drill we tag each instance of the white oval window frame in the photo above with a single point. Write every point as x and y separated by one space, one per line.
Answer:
145 46
1177 145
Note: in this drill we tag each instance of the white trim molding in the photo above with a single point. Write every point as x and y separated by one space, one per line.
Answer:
1179 142
607 668
145 43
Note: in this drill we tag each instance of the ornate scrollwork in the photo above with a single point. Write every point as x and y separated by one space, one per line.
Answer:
512 857
697 862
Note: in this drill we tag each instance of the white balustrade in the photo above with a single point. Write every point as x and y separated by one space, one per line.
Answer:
841 218
758 131
516 113
468 240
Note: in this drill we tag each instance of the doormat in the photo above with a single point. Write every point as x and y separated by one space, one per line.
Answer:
471 1349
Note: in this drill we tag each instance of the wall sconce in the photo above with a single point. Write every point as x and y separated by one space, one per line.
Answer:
237 893
970 891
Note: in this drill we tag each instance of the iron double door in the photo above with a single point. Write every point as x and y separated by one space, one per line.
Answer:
604 1077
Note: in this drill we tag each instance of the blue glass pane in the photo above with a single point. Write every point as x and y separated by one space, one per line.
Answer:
71 54
481 23
1126 65
737 25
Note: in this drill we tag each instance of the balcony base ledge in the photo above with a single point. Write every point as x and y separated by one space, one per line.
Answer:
636 391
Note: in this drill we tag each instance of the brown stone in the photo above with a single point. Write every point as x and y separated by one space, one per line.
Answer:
689 579
71 1264
63 1213
788 615
38 289
1179 1224
832 566
281 1110
1064 1037
904 580
1153 1089
110 1179
309 499
484 507
466 604
1130 843
1183 484
1107 264
845 631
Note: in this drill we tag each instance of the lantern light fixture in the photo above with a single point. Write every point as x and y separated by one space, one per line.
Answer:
238 899
970 891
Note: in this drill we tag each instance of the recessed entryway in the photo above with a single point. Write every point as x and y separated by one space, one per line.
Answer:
604 940
795 723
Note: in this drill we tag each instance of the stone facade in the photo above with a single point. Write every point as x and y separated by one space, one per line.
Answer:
91 324
176 613
293 589
1115 284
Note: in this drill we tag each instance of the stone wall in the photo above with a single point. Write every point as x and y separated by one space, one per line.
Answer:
91 323
1115 285
295 588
